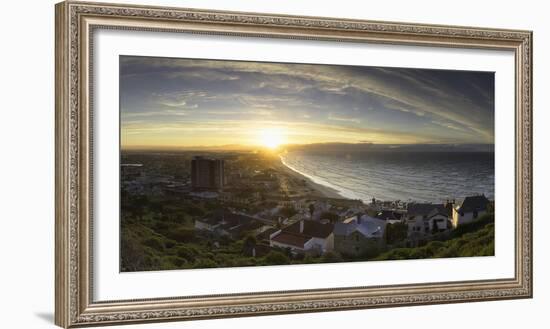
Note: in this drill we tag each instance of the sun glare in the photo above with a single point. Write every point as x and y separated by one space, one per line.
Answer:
272 137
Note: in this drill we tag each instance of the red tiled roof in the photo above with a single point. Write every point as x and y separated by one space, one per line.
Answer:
311 228
291 239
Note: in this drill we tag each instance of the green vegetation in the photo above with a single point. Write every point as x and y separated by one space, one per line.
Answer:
164 238
155 238
396 232
473 239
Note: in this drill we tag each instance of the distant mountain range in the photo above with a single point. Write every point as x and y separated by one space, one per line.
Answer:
335 148
370 147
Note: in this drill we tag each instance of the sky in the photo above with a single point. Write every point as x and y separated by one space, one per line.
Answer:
171 102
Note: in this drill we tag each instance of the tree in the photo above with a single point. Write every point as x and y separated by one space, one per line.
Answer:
331 257
311 210
249 244
395 232
138 204
276 258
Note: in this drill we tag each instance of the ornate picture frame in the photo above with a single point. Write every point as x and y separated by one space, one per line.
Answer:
75 24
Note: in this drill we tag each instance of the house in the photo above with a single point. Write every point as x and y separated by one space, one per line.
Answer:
422 217
357 235
469 210
438 219
305 235
293 241
267 234
390 216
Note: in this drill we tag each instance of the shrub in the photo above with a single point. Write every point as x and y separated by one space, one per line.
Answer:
155 243
395 232
131 255
331 257
187 253
470 243
181 234
205 263
276 258
172 262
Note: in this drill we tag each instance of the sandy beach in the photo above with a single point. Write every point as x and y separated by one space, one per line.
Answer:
321 190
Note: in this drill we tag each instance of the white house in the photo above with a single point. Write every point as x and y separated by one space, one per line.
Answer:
359 234
469 210
421 217
438 220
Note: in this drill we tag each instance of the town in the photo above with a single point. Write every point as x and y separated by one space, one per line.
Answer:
244 208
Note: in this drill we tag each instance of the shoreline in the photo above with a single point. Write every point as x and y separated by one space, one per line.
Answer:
324 191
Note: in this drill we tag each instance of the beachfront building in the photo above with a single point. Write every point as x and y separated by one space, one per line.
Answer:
359 234
469 210
305 235
390 216
427 218
438 219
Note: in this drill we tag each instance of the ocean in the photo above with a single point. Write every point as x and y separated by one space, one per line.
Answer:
406 176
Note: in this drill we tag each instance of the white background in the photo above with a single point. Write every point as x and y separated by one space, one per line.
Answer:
27 163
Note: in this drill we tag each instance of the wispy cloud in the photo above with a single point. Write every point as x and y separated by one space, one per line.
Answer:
336 117
432 105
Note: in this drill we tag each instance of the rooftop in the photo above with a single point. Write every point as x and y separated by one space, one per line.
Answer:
311 228
265 234
292 239
369 227
388 215
474 203
421 209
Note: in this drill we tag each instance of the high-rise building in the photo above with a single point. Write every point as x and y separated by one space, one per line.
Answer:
207 174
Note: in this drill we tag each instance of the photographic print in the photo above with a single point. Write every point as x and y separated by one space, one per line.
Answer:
238 163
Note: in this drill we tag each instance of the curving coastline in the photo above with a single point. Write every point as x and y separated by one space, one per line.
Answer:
322 189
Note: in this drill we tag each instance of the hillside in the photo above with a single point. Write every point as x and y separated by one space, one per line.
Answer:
474 239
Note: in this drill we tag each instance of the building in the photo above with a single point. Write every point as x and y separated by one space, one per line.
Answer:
359 234
293 241
427 218
390 216
469 210
130 171
207 174
305 235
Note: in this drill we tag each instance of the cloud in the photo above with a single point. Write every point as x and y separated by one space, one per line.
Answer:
180 104
336 117
447 105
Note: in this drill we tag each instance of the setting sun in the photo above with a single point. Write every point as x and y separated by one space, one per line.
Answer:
272 137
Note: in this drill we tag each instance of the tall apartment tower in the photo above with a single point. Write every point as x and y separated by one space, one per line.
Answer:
207 174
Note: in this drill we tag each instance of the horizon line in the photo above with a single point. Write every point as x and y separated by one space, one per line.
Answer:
255 147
